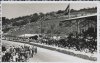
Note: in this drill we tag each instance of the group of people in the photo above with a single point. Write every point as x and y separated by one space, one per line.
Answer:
18 54
80 43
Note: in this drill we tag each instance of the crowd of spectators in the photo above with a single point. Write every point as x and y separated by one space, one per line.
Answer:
81 43
18 54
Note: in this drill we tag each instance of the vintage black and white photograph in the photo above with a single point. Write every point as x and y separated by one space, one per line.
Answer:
50 0
49 32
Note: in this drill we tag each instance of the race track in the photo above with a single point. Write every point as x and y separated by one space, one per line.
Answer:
45 55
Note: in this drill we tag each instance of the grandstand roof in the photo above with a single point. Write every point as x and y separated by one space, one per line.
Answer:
27 35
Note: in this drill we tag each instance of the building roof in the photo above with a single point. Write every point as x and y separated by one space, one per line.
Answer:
27 35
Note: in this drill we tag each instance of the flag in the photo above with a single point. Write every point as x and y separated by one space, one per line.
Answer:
67 10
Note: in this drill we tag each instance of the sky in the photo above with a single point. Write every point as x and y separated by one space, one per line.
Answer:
17 9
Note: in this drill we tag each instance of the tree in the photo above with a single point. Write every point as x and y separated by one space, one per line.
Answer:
35 17
60 11
5 21
48 31
41 14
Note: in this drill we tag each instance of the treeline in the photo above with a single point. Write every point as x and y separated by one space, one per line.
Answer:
36 16
21 20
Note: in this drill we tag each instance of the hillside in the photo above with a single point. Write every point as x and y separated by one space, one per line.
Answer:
48 23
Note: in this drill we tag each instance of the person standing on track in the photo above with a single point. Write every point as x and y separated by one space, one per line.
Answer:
32 50
35 50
